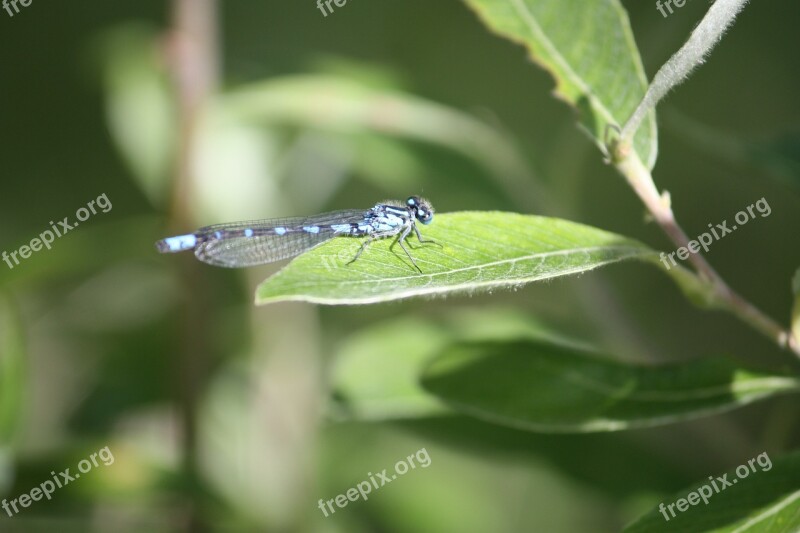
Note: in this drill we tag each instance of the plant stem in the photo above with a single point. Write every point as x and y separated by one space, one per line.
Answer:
192 57
676 70
627 162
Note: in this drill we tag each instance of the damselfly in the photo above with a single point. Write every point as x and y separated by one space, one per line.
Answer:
242 244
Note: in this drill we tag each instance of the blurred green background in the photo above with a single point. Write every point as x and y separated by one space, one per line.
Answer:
226 417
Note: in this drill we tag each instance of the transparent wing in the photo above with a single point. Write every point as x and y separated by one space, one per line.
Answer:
241 244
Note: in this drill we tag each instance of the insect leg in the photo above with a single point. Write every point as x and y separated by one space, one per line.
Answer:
362 248
420 239
400 240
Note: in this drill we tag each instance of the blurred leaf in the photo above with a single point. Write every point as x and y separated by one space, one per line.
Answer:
246 155
796 307
765 501
388 163
478 251
370 74
139 106
377 376
550 388
338 105
593 58
13 386
12 371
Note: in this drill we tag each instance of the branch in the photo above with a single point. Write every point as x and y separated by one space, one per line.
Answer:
627 162
676 70
193 63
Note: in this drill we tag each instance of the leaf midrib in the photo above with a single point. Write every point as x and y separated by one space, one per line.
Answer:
754 385
638 250
534 27
399 294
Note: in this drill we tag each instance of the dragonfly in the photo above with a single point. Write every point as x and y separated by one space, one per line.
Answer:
256 242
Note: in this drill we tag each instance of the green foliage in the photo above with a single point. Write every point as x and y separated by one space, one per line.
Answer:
12 376
226 416
14 384
550 388
796 306
375 383
589 49
765 501
476 251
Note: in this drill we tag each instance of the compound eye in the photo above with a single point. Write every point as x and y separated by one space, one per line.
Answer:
427 217
411 202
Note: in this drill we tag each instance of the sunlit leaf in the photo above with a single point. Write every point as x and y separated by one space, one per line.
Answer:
588 47
475 251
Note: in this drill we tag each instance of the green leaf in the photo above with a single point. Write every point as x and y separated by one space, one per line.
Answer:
588 47
475 251
12 371
765 499
13 387
140 111
346 109
796 307
550 388
376 376
339 105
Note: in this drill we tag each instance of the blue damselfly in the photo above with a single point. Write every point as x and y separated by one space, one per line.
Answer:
242 244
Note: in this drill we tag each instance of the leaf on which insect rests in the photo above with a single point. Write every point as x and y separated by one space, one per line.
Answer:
474 251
